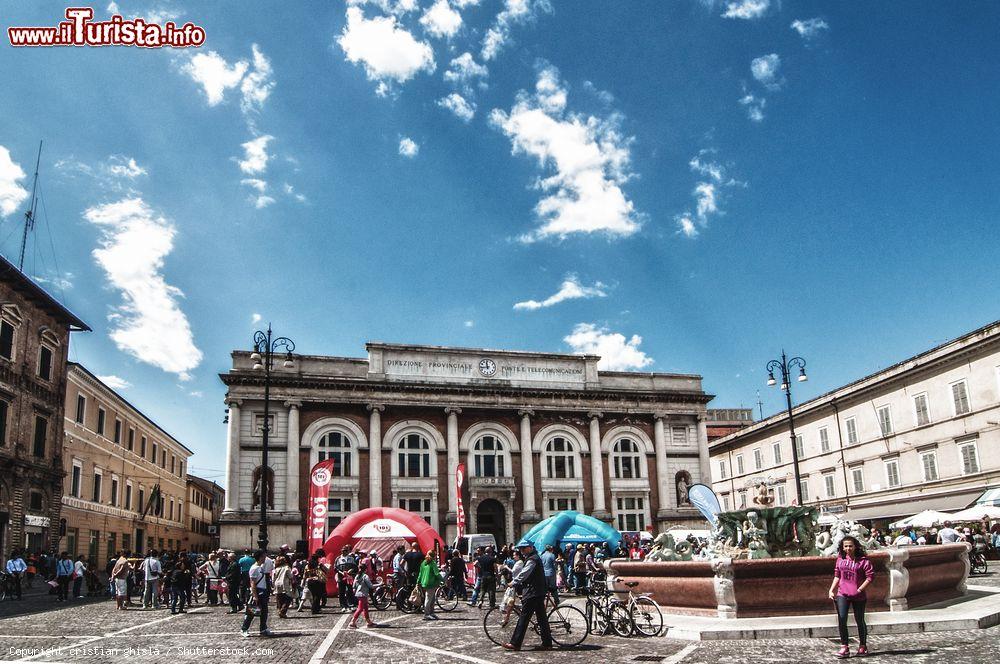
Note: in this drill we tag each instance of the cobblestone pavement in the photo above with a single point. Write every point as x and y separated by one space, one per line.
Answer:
92 631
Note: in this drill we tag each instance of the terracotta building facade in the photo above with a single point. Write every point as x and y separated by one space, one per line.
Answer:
34 342
537 433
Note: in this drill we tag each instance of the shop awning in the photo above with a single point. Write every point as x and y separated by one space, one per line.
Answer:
949 503
989 497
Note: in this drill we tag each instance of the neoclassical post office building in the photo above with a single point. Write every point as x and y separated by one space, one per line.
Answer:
537 432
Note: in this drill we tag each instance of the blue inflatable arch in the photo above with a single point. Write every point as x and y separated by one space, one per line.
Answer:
571 527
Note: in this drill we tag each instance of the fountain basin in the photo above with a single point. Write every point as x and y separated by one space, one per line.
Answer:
904 577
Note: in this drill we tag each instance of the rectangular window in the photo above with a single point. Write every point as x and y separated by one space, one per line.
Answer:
171 509
725 502
780 494
679 436
74 488
155 448
743 500
141 505
884 420
804 489
722 470
131 440
800 447
960 397
758 459
892 473
631 514
128 496
852 430
101 417
35 501
41 433
45 363
922 410
81 408
858 479
4 407
114 491
929 462
829 487
824 440
739 466
173 464
96 495
777 453
142 447
969 455
163 459
118 432
6 340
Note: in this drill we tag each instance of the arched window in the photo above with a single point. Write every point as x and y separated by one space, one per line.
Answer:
488 458
338 447
414 456
560 456
626 459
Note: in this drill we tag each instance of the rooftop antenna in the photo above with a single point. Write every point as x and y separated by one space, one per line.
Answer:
760 405
29 216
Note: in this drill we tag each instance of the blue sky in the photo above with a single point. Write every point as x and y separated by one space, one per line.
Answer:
686 186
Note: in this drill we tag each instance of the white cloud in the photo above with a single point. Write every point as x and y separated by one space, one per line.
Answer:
440 20
469 323
160 16
262 201
464 69
149 323
214 74
113 8
746 9
290 190
197 394
765 70
12 194
617 353
514 12
707 168
255 183
408 148
258 84
706 193
458 105
387 6
119 166
387 51
810 27
462 4
114 382
754 106
255 155
570 289
588 158
687 226
254 319
58 281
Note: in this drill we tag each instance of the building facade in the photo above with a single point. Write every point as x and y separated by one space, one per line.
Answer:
34 342
921 434
205 500
125 477
537 433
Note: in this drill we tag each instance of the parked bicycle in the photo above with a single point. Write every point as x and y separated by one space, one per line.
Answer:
567 623
977 562
411 603
606 613
643 611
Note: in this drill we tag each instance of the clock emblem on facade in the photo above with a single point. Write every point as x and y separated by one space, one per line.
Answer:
487 367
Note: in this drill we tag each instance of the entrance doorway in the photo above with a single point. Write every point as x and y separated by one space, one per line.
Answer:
491 519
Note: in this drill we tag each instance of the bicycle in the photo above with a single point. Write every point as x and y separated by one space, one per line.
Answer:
568 624
605 613
977 562
647 620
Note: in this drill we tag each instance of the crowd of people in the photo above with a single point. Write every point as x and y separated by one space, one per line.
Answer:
980 536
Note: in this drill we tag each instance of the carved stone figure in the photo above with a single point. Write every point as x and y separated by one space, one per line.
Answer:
682 489
763 497
269 478
723 584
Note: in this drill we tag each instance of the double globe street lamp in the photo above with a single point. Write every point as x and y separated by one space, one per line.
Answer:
786 366
265 347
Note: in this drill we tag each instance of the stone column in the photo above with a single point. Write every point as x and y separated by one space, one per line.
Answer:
597 467
292 460
451 518
233 457
375 455
702 442
662 472
530 513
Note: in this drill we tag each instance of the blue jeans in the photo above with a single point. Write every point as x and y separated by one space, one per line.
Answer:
264 598
177 596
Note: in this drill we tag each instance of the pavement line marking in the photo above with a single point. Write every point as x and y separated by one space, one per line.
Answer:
421 646
681 655
324 647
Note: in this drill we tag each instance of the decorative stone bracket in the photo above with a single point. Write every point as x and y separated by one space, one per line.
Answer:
725 588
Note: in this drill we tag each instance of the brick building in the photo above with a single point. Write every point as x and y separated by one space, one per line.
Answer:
205 499
126 480
34 342
537 432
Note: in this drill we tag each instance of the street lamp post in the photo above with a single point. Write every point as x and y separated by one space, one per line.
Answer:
786 365
263 358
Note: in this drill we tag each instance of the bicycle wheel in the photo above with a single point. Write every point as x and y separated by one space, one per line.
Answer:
568 625
619 619
381 598
646 617
446 601
499 625
407 605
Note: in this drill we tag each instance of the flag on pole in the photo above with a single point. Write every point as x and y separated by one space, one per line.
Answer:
319 482
460 513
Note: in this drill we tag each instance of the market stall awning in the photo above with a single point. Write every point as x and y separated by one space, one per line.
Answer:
989 497
941 503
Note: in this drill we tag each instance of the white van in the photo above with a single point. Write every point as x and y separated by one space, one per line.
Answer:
467 544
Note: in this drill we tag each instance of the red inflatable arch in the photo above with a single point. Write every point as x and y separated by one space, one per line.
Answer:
381 529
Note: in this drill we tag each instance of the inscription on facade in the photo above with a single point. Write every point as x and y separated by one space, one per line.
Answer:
447 367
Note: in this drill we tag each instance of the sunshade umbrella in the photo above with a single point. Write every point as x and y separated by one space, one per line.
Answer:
925 519
976 513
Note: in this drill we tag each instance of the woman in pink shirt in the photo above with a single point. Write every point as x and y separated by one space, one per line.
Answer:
851 576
